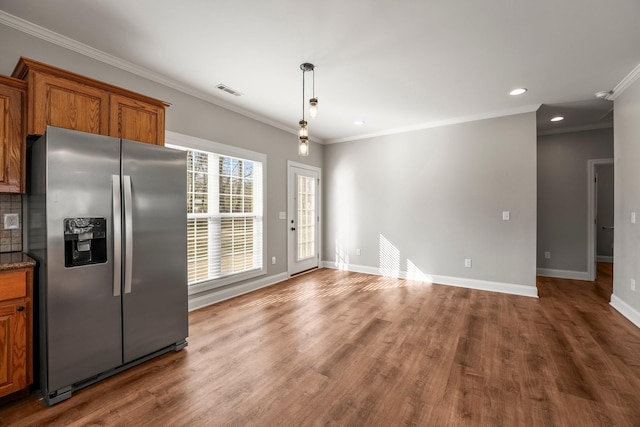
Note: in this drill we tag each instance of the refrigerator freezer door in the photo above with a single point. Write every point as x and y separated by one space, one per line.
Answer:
155 309
80 312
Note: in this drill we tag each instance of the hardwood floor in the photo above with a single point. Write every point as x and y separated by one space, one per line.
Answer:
348 349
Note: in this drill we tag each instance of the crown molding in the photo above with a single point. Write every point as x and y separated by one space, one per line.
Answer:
86 50
571 129
625 83
456 120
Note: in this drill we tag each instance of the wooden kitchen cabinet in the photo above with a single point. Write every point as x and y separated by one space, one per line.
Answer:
136 120
60 98
65 103
16 330
13 94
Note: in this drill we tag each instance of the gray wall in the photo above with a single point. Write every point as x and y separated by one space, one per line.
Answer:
188 115
604 240
627 198
562 195
429 199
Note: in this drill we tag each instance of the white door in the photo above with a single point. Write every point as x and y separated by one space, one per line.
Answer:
303 218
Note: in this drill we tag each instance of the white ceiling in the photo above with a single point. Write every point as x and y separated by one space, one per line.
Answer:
396 64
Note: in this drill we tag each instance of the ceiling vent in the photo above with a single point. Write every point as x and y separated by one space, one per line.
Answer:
227 89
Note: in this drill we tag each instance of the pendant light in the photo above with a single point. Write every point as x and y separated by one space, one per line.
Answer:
303 130
303 138
313 102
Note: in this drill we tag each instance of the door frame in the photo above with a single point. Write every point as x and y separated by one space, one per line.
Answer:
591 216
290 208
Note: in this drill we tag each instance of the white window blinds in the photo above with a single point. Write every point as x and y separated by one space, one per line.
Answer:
224 216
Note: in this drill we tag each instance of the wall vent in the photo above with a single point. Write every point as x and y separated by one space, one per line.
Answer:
227 89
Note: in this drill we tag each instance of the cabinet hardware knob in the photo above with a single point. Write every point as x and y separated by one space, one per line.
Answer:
20 308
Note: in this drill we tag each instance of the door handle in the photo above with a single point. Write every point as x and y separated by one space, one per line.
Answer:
117 236
293 229
128 234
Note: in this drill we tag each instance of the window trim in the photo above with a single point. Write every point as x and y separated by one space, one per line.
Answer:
173 139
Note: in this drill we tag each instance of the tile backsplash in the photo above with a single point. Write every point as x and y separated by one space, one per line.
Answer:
10 240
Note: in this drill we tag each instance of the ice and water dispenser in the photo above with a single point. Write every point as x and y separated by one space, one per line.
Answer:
85 241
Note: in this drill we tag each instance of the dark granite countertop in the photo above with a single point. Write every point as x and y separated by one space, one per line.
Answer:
13 260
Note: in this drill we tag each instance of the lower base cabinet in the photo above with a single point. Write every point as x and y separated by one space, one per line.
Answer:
16 330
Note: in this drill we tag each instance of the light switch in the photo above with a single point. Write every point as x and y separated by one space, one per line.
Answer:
633 217
282 215
505 215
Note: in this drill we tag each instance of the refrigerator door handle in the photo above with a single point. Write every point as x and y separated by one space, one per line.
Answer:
117 236
128 234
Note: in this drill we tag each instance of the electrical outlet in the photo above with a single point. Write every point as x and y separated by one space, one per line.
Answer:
358 251
547 255
633 285
467 263
273 260
11 221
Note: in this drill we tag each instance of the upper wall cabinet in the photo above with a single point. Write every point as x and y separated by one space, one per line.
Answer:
59 98
136 120
13 94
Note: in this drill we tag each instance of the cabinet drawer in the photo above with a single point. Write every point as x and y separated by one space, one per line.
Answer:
13 284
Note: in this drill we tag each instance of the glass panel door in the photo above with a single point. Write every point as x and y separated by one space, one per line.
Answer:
306 230
303 218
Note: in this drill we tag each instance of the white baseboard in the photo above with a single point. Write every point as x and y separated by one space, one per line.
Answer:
563 274
602 258
483 285
626 310
217 295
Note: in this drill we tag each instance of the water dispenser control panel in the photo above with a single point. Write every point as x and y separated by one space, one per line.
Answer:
85 241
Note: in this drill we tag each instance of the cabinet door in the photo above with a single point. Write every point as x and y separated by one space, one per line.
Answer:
136 120
13 347
12 140
67 104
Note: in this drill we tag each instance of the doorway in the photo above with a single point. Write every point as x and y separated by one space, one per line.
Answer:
600 216
303 217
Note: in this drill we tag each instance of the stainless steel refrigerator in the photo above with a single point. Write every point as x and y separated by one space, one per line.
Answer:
106 221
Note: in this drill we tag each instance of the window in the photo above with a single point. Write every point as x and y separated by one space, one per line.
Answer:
224 212
306 213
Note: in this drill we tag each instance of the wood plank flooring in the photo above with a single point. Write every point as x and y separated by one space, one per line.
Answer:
346 349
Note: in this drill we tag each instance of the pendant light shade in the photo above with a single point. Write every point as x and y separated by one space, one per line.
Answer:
303 130
303 146
313 107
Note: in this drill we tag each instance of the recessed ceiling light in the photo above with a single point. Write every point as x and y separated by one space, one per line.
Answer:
557 118
358 122
518 91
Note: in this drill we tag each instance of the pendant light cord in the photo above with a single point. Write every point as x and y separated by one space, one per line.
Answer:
303 95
